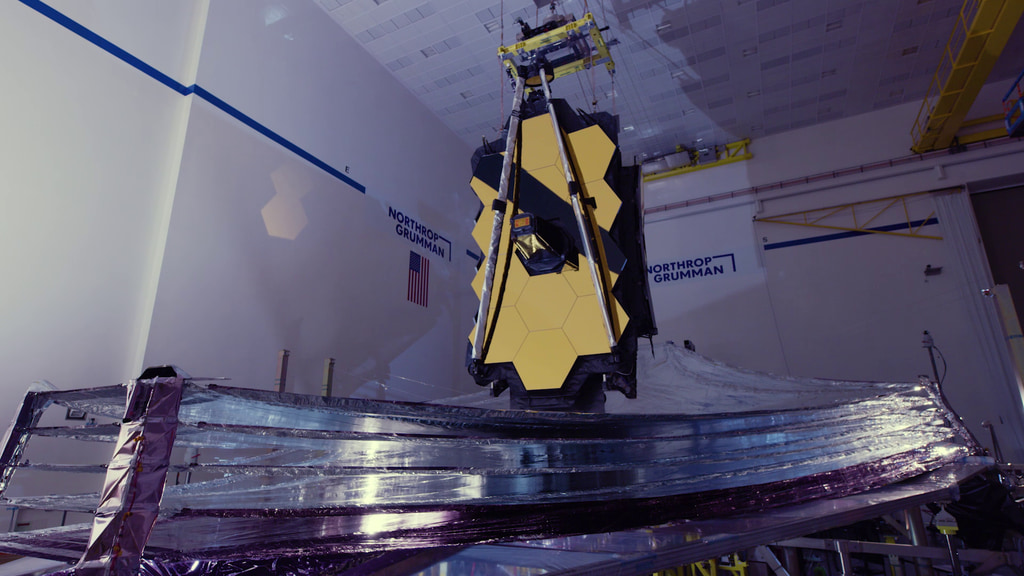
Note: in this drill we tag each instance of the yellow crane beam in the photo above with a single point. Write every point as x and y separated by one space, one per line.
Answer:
979 36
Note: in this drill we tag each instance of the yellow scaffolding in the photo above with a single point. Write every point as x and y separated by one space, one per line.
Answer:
728 154
814 218
733 566
979 36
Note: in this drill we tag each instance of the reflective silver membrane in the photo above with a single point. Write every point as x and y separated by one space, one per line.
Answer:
260 474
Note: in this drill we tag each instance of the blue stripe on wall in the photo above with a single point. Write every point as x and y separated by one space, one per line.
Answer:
124 56
828 237
248 121
106 46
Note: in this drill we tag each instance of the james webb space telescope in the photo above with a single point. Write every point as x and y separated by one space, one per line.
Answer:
563 294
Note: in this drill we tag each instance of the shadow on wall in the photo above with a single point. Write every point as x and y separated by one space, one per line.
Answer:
736 328
690 47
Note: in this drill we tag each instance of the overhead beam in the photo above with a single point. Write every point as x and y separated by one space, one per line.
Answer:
844 217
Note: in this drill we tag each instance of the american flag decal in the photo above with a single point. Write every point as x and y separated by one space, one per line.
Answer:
419 279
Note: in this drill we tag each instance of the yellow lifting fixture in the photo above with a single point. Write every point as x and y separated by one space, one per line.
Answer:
979 36
571 48
870 210
728 154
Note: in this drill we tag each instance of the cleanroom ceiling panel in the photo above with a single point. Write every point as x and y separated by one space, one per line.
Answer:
687 70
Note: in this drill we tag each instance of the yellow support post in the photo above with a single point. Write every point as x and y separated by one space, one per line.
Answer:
735 567
705 568
978 38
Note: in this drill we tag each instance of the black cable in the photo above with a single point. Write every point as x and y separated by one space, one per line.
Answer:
945 367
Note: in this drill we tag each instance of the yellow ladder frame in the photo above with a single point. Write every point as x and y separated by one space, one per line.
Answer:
979 36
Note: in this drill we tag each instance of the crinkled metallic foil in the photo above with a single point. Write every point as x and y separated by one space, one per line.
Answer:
130 500
289 476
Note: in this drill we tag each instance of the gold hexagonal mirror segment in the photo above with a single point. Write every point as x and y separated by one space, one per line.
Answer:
509 335
592 151
552 177
607 202
585 327
544 360
483 227
517 279
540 147
484 192
579 280
545 301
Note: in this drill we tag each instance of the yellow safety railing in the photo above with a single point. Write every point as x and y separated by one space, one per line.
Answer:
728 154
979 35
928 114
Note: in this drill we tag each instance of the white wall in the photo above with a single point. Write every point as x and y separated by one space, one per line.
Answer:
845 308
133 213
231 295
83 169
87 170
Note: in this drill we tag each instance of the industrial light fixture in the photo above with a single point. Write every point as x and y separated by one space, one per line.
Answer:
910 50
749 51
663 26
829 72
753 93
832 26
678 73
